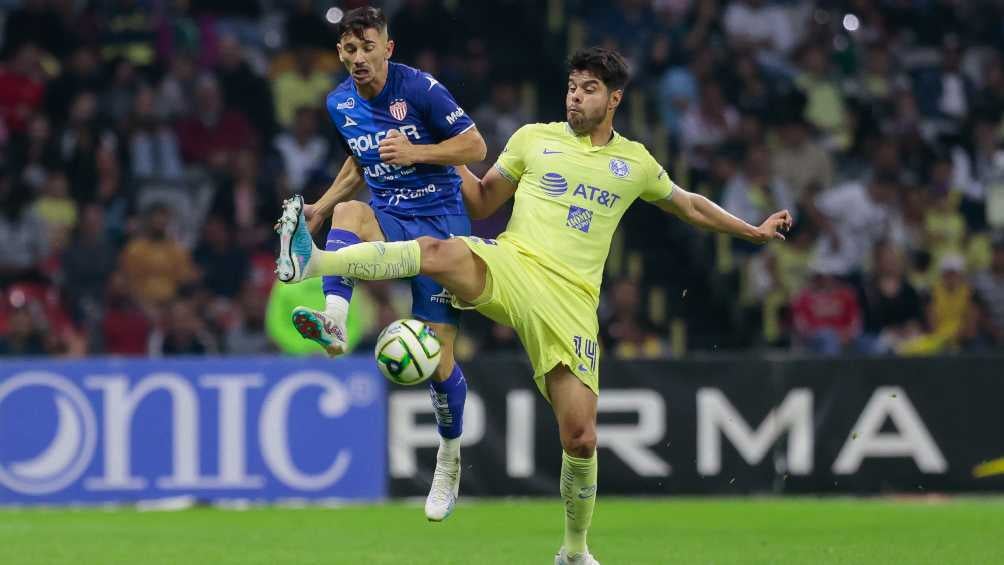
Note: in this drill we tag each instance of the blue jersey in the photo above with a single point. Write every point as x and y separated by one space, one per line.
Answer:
415 104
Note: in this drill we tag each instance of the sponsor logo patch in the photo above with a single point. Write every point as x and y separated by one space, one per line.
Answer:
579 218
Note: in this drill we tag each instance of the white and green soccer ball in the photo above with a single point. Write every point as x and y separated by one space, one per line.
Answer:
407 352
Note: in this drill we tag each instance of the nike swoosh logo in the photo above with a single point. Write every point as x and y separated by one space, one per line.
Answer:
549 152
583 368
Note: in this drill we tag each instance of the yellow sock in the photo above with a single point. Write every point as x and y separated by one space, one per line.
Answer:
371 261
578 489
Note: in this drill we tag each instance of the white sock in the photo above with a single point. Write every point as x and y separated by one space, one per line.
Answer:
449 448
336 307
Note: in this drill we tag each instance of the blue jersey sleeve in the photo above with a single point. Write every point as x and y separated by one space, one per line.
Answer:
443 117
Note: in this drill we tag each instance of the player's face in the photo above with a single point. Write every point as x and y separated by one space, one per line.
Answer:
365 58
588 101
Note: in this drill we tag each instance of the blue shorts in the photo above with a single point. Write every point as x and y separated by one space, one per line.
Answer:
429 300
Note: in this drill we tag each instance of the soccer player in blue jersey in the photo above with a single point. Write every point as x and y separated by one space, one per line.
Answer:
404 132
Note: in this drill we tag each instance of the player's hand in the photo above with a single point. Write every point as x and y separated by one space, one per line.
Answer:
773 227
395 149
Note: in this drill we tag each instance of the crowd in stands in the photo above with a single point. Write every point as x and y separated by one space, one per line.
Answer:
145 146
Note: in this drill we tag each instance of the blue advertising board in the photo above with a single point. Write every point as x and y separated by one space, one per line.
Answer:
261 429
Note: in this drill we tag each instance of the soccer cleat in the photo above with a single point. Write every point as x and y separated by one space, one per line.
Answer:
295 243
320 328
445 486
562 558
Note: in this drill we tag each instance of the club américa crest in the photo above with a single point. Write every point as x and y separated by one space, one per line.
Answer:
399 109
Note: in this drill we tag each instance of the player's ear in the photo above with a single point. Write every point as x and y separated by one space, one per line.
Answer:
615 99
390 49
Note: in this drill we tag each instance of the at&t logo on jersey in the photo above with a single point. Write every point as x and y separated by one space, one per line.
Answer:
579 218
553 184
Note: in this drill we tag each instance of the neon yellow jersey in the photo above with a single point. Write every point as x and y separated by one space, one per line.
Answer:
571 195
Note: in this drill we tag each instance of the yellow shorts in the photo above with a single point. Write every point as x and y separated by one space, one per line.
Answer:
555 319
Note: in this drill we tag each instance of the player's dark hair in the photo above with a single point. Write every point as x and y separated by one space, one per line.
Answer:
606 64
358 20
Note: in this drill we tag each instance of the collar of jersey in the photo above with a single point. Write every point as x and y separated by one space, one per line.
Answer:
383 91
587 142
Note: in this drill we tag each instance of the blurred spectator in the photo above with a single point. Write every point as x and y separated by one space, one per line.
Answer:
893 311
853 218
707 124
224 265
825 108
500 117
55 207
954 90
125 328
24 335
24 242
182 332
176 93
626 331
82 73
245 335
303 85
22 88
976 166
153 147
83 138
989 287
35 151
950 310
303 151
945 227
755 193
117 97
826 314
247 202
87 262
155 265
244 91
757 24
213 134
799 161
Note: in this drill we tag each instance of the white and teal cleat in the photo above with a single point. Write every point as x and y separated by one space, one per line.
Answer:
445 487
321 328
563 558
295 243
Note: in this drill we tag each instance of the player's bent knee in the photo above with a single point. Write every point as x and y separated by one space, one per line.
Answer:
579 441
351 213
439 256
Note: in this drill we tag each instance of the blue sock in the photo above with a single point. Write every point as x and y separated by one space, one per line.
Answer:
448 401
339 286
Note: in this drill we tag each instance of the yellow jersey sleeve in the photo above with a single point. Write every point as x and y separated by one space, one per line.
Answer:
512 162
658 185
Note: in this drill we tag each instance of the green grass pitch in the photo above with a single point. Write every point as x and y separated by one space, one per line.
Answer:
625 531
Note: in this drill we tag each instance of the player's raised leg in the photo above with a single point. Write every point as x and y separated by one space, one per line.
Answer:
448 391
351 222
574 407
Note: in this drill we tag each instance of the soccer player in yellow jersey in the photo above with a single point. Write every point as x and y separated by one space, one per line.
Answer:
572 183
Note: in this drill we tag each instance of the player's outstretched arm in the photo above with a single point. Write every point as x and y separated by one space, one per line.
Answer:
463 148
484 196
705 214
345 186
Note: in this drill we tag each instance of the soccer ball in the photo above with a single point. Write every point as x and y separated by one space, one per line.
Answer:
407 352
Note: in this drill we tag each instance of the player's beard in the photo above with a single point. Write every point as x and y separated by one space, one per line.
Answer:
582 122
